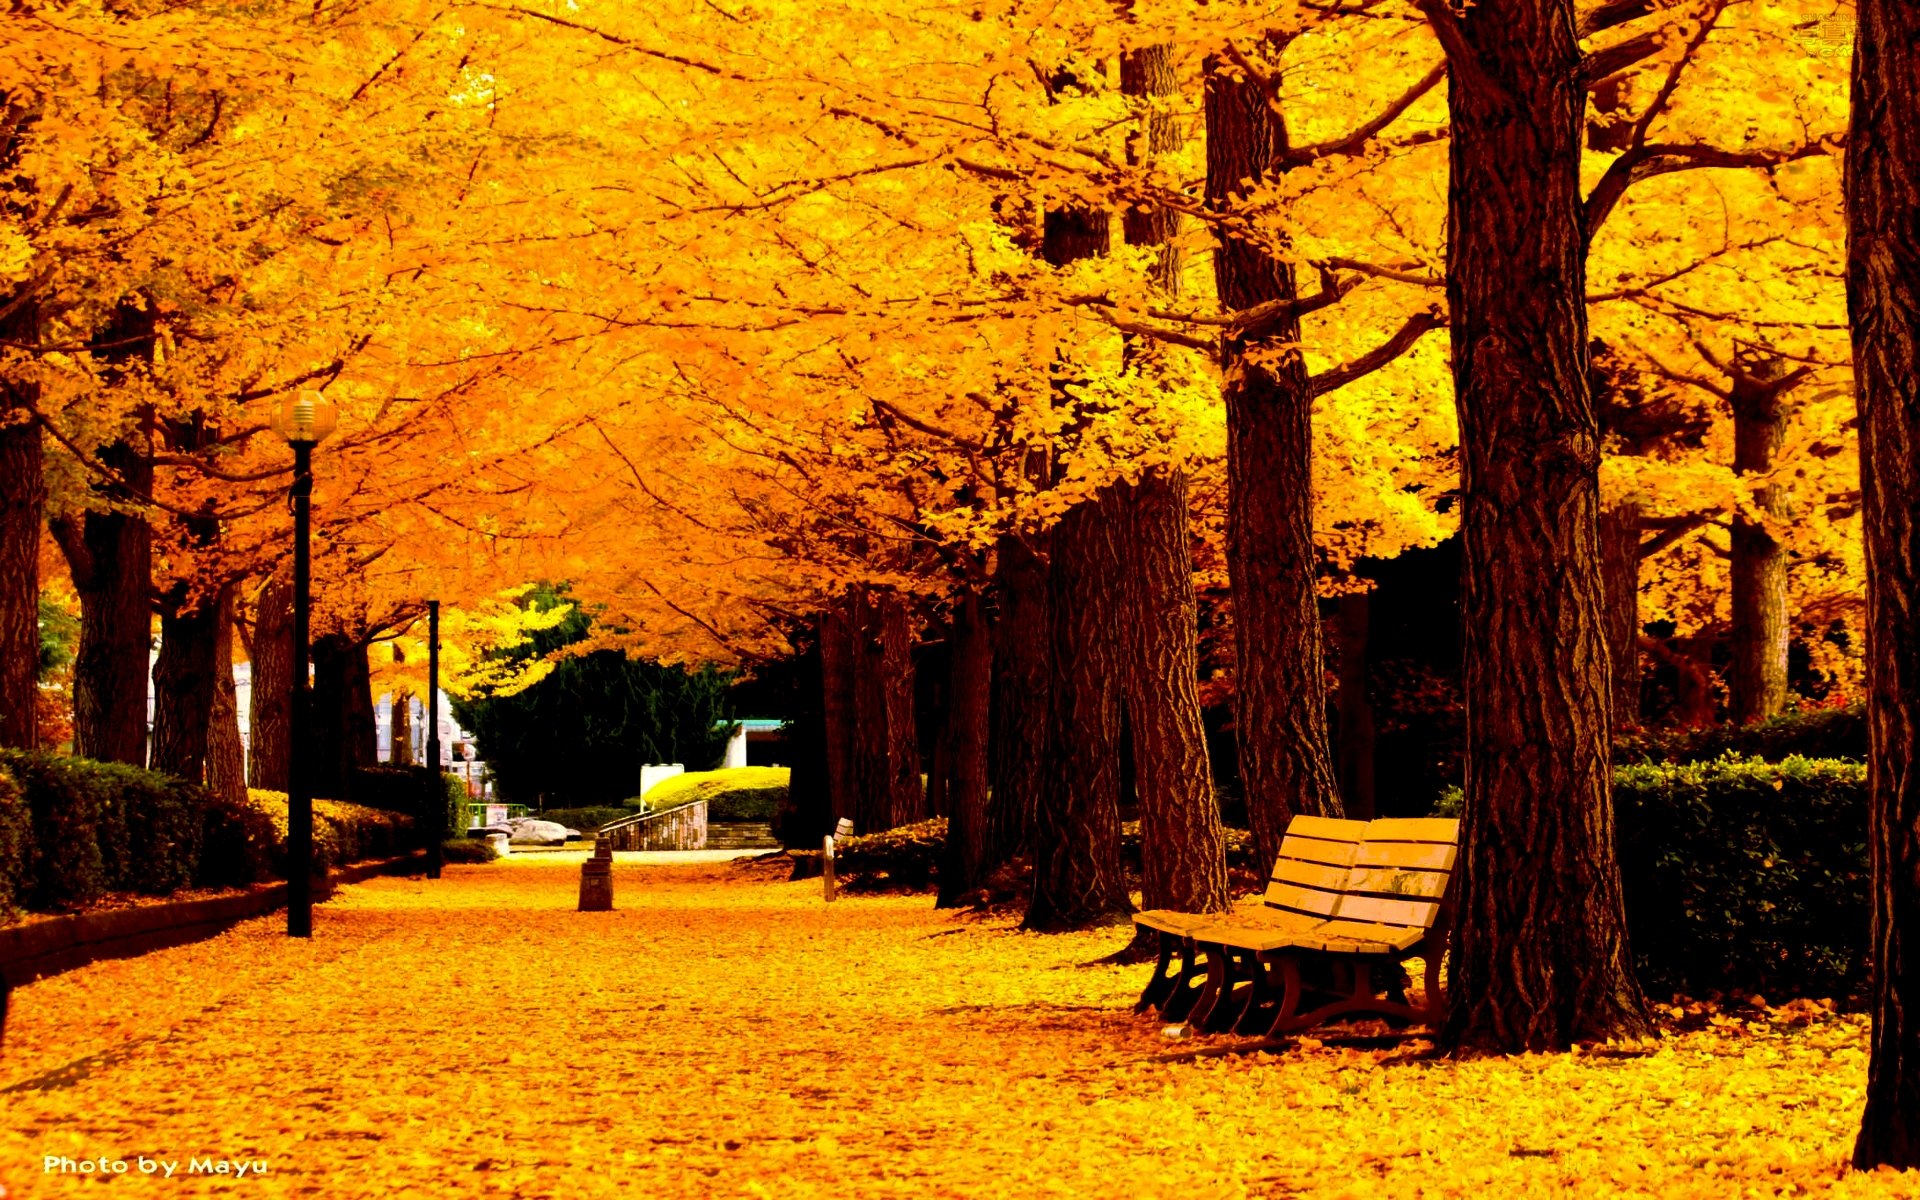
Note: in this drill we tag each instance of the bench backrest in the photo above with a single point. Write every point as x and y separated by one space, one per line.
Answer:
1400 874
1311 871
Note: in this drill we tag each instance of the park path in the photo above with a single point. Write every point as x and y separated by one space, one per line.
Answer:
725 1033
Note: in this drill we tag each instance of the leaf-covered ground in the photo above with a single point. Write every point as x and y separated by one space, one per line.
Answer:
725 1033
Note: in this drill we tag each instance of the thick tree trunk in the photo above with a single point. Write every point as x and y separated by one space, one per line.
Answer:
969 850
110 556
400 730
1356 711
1182 847
1541 958
837 707
1280 695
23 496
1757 681
226 754
332 723
363 731
272 695
1022 677
1078 880
1620 589
183 687
885 758
808 815
1883 294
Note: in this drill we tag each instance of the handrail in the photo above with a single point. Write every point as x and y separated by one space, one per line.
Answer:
643 817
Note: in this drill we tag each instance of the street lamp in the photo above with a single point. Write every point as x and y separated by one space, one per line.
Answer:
305 422
436 817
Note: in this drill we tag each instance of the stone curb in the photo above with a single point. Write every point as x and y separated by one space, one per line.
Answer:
44 948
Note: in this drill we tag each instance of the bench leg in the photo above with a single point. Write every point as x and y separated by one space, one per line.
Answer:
1230 975
1188 986
1160 987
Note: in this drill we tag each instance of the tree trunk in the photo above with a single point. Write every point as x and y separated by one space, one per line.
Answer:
1022 676
1757 681
332 722
1883 295
837 707
183 687
363 730
110 556
1280 696
1540 959
969 850
400 730
936 675
1182 847
1078 880
808 815
1620 588
226 754
1356 711
886 760
272 692
23 496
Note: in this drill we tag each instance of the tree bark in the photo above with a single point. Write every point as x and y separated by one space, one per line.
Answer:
272 690
110 556
1078 880
400 730
1356 711
183 687
363 731
1757 681
332 723
23 496
969 849
1182 847
226 753
1540 959
885 758
1883 296
1620 588
837 707
1280 697
1022 678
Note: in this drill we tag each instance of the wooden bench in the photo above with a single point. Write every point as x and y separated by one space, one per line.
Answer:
1389 905
1312 845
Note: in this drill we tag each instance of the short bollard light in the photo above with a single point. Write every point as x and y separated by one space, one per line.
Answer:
596 878
841 828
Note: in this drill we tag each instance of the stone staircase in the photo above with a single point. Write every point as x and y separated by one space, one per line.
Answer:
742 836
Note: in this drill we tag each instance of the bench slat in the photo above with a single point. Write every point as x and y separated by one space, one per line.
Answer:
1414 829
1311 874
1418 913
1302 899
1319 850
1397 881
1425 856
1359 937
1333 829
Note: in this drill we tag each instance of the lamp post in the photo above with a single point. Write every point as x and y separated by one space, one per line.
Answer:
436 835
304 422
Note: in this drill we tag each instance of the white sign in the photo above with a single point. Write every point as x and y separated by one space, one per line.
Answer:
496 814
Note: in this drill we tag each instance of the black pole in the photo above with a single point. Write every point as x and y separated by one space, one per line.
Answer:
300 716
438 818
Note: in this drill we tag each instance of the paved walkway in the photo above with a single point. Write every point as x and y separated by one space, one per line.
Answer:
725 1033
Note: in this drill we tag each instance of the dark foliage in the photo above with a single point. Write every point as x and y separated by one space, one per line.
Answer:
1837 733
579 736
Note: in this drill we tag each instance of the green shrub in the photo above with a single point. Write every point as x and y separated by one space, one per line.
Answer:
239 844
747 804
467 850
586 820
905 859
1820 733
1742 875
16 833
731 793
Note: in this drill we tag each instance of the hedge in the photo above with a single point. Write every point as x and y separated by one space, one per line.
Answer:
73 830
407 790
1819 733
731 793
586 820
1744 876
908 858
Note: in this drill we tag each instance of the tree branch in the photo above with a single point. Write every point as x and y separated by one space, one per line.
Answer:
1416 327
